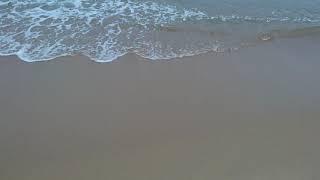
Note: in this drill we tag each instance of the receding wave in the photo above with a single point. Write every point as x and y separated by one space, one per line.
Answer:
37 30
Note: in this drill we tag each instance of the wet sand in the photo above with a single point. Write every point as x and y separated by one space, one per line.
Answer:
247 115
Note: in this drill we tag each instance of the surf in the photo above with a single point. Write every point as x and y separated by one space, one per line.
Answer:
104 30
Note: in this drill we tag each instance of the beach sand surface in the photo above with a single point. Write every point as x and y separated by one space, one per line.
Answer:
252 114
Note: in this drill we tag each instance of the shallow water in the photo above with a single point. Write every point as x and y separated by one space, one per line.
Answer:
106 29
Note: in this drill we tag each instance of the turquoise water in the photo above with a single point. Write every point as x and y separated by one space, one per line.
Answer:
104 30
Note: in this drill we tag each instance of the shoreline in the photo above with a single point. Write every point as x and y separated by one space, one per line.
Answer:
278 37
275 36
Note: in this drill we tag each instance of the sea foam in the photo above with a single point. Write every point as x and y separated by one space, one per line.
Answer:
38 30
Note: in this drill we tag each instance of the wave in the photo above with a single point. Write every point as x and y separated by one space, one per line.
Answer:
103 30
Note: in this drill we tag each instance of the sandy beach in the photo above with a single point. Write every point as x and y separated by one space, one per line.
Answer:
247 115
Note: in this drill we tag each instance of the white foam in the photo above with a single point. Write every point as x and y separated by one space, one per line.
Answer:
103 30
38 30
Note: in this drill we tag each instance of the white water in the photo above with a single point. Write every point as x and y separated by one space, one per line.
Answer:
103 30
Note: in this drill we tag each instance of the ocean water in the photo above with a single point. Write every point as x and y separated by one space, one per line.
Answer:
38 30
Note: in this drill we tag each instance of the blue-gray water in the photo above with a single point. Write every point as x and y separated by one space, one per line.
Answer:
160 29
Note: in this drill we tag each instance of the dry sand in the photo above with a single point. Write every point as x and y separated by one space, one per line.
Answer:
247 115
